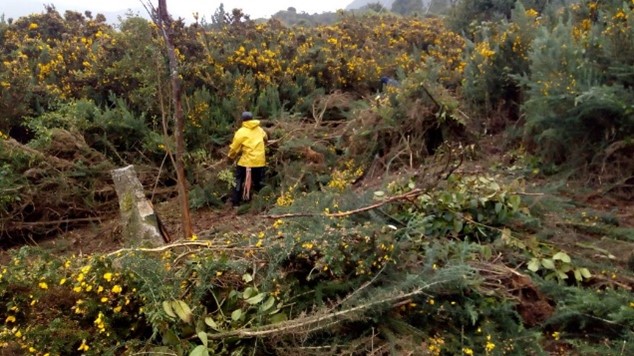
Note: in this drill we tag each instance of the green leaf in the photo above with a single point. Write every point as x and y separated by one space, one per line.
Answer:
566 267
255 300
203 337
268 304
562 275
585 272
235 316
498 207
548 263
170 338
506 235
248 293
514 202
578 276
211 323
247 277
278 318
457 226
182 310
200 350
486 251
533 265
562 256
167 307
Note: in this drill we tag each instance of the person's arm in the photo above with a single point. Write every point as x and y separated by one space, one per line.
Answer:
236 144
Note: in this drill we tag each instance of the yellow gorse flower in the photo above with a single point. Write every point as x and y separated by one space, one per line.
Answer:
531 13
489 345
83 346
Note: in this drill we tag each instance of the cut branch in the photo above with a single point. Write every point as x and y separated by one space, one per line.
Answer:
406 196
316 322
203 244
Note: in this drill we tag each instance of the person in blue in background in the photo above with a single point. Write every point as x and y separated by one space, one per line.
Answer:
387 82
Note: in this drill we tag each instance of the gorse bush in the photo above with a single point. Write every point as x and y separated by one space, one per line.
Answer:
498 54
578 94
467 14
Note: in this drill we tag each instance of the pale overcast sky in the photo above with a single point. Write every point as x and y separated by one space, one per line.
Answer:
178 8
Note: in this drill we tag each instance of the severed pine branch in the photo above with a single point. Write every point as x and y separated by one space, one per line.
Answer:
315 322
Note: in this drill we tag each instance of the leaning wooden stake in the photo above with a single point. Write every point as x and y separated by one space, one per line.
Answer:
164 23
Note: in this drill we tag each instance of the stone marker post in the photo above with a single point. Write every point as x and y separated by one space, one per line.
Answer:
140 224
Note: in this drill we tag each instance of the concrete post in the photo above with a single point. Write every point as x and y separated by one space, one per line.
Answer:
140 223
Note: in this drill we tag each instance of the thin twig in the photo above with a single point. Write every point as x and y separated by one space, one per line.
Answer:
158 176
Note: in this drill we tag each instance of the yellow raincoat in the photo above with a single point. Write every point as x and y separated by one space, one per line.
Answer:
249 139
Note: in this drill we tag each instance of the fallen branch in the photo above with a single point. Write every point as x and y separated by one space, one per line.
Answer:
530 194
207 244
406 196
55 222
49 160
312 323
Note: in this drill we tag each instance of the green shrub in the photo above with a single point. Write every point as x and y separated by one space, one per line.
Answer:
575 109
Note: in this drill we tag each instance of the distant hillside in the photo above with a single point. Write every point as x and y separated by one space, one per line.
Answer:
357 4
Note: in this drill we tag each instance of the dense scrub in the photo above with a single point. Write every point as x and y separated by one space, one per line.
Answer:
391 222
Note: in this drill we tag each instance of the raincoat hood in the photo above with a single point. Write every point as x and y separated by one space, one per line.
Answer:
251 124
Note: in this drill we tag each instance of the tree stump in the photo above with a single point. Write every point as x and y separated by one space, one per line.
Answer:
139 221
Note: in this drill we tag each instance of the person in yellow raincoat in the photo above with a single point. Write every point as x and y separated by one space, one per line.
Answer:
249 141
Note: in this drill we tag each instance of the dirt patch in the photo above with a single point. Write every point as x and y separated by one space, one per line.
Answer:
533 306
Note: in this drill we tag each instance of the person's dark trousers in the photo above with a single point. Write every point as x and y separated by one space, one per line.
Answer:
257 178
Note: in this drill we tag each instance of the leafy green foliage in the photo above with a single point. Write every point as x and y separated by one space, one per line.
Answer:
468 207
558 266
